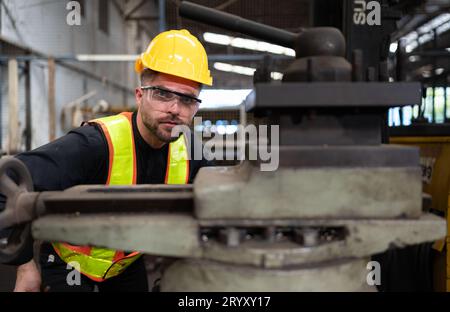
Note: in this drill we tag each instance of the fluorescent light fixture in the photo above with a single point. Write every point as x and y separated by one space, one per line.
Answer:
217 38
439 71
248 44
393 47
426 74
215 98
276 75
424 33
435 23
443 28
243 70
412 36
410 47
414 58
106 57
425 38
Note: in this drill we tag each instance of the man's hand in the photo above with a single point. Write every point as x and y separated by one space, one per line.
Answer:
28 278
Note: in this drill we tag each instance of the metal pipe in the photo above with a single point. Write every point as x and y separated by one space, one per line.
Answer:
162 15
28 131
1 106
238 24
132 57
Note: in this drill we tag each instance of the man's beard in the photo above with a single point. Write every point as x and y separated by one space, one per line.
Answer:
160 134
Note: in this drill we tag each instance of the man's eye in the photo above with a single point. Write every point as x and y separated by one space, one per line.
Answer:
163 93
188 101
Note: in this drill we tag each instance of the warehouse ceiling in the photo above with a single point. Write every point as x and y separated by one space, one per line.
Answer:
293 15
288 15
427 22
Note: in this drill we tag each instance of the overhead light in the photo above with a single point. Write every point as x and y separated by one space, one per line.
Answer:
439 71
106 57
248 44
213 98
426 38
426 74
414 58
410 47
217 38
393 47
425 33
276 75
443 28
248 71
243 70
434 23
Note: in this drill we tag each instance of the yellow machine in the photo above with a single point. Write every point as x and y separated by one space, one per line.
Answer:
434 144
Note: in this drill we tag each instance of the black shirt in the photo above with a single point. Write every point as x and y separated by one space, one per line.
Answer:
81 157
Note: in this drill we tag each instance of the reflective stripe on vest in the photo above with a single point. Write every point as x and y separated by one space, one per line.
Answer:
100 264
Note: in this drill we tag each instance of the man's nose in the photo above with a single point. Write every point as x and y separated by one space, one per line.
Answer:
174 107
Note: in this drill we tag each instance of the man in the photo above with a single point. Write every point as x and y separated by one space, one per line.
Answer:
124 149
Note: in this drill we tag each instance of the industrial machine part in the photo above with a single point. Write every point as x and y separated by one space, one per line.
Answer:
338 196
434 143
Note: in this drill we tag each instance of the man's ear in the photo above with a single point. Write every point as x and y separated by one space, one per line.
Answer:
138 94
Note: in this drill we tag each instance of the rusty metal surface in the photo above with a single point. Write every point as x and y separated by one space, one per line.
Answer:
183 236
18 209
120 199
334 94
362 238
345 156
206 276
157 234
244 192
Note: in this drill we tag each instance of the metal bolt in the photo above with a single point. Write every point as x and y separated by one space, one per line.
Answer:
204 238
233 237
309 237
270 234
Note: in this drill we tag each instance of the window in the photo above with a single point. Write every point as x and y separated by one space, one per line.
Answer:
103 16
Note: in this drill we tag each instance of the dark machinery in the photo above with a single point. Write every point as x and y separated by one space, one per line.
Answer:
338 196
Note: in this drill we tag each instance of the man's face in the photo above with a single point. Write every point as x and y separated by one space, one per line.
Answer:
160 116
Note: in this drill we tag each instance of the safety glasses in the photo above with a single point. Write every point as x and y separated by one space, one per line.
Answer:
165 95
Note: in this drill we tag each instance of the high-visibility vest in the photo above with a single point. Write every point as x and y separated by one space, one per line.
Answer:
100 264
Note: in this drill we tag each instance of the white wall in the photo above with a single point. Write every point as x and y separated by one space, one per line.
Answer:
41 25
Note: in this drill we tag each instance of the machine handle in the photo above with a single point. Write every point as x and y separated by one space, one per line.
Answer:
235 23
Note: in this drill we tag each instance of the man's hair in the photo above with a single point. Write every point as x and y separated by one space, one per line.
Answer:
148 75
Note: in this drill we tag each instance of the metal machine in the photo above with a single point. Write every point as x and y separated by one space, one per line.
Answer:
338 196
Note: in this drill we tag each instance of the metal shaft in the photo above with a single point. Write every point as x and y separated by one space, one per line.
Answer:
238 24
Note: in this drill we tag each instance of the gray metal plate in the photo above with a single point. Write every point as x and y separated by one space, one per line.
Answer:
207 276
347 156
179 236
334 94
244 192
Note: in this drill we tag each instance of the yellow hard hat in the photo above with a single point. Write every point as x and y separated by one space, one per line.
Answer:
177 53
